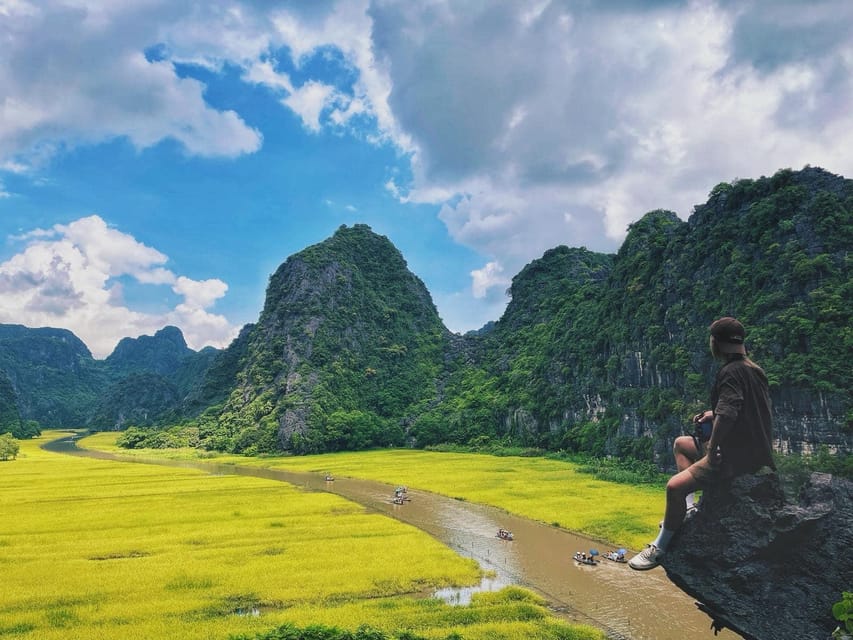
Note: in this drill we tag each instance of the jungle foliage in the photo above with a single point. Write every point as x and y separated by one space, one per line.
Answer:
600 355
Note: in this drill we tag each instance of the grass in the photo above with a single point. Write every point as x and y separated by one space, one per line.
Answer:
99 549
542 489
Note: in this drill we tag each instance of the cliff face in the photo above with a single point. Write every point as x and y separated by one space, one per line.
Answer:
10 417
161 353
768 568
611 358
53 374
56 382
604 354
347 345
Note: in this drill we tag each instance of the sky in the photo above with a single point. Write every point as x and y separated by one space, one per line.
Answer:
160 158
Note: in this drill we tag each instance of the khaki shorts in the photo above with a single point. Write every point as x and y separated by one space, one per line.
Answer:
706 473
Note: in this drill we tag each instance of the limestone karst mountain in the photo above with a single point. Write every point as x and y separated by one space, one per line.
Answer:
604 354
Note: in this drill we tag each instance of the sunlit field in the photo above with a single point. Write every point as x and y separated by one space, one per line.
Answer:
550 491
98 549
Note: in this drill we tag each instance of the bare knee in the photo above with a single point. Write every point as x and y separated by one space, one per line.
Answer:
680 484
684 445
674 489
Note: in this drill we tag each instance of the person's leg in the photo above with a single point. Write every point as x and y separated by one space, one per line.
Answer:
685 452
677 488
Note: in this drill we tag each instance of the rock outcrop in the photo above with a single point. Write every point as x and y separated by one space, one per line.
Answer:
764 567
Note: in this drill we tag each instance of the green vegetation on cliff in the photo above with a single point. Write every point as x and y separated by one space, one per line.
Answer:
347 348
608 355
55 379
595 354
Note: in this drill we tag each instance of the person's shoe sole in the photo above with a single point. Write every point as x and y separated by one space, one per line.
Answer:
645 567
640 563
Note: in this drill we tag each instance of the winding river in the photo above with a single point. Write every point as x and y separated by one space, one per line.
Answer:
627 604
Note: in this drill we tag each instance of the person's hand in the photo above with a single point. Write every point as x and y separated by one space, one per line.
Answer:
715 456
703 417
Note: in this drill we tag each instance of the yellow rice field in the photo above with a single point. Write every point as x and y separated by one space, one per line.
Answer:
95 549
550 491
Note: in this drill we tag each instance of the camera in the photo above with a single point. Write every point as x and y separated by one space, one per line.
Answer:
702 430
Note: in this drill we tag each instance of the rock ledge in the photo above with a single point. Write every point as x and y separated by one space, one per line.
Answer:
766 568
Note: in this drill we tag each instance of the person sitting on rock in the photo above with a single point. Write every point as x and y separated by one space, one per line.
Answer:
740 441
689 449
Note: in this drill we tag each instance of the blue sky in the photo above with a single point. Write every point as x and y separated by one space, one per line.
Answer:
158 160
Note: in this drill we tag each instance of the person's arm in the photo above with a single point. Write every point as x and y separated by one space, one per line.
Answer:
722 425
728 406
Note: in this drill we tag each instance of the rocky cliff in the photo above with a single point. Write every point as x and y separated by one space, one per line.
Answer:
55 379
611 356
161 353
767 567
56 382
347 346
10 417
600 354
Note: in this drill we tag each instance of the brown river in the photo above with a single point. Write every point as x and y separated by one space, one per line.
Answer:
627 604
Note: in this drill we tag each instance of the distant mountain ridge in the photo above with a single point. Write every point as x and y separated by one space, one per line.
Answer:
52 372
605 354
56 381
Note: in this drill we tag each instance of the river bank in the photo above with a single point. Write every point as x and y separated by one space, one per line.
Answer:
608 595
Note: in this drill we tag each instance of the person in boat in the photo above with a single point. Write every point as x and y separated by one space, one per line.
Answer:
740 439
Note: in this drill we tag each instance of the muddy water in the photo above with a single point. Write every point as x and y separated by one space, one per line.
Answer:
627 604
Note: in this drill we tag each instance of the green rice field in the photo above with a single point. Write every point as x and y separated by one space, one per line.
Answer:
93 549
542 489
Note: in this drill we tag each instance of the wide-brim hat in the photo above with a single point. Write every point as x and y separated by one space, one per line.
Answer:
729 335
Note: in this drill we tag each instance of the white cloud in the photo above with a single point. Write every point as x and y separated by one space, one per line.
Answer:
530 111
309 101
264 73
491 275
112 253
68 276
510 114
199 294
73 73
76 73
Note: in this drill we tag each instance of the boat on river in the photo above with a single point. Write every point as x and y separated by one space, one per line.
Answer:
616 556
583 558
503 534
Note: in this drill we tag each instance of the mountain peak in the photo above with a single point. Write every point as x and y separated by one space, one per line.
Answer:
344 323
161 353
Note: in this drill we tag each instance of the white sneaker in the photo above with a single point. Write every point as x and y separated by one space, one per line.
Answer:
648 558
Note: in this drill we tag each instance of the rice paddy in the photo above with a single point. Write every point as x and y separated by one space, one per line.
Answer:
94 549
542 489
